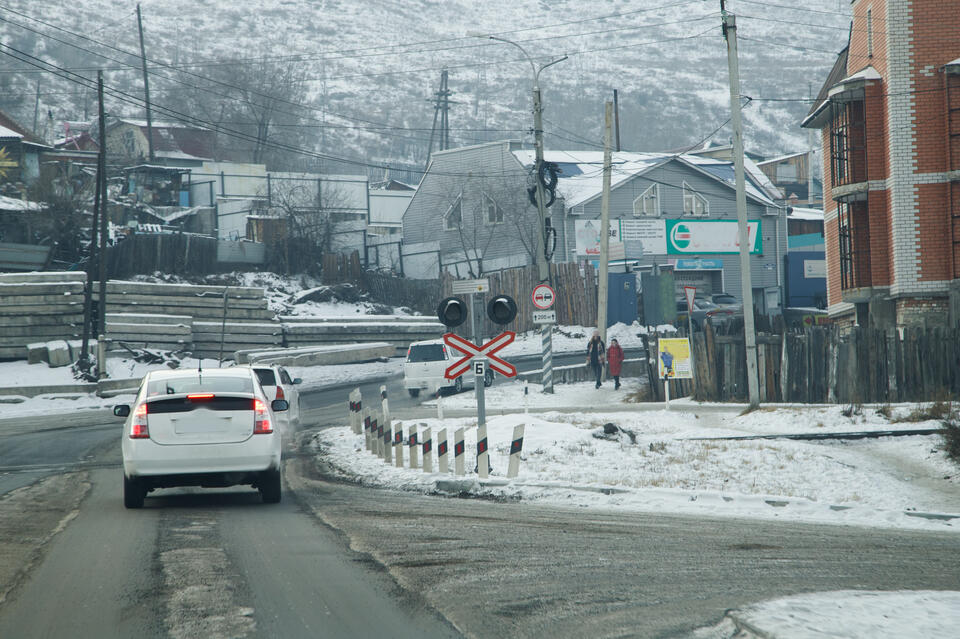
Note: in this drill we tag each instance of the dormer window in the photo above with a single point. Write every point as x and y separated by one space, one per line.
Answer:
454 215
648 204
492 213
694 203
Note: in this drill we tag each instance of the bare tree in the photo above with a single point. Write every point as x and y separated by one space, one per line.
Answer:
66 216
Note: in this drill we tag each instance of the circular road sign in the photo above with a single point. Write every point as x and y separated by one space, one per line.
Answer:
543 296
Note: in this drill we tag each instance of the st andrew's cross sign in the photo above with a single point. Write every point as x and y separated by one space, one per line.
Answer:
472 350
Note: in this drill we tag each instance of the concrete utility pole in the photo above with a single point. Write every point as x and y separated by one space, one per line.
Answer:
543 266
146 86
730 34
102 254
605 224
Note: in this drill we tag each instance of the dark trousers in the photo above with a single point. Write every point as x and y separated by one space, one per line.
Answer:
598 370
616 381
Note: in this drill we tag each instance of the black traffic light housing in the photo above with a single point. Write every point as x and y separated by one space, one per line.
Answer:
501 309
452 312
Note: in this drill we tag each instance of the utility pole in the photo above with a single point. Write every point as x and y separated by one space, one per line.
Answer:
146 86
36 108
91 258
441 109
616 118
605 224
811 142
730 34
102 254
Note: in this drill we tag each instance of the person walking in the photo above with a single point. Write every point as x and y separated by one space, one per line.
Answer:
615 359
595 356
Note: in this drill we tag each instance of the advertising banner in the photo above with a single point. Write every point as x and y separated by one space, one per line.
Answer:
673 358
588 236
710 236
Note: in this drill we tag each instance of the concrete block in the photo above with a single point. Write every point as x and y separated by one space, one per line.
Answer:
58 354
318 355
37 353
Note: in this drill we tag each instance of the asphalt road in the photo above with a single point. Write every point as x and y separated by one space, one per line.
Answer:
341 560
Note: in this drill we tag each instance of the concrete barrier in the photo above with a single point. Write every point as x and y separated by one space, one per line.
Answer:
318 355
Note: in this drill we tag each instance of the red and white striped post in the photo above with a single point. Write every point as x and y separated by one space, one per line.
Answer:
398 444
458 452
442 450
483 455
427 451
412 445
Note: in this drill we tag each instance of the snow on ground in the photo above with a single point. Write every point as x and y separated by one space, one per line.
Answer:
655 464
568 339
852 614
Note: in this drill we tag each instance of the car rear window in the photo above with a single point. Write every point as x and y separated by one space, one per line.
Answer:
266 376
724 299
426 353
201 383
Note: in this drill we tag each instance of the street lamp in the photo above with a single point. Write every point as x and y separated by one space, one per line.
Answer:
543 270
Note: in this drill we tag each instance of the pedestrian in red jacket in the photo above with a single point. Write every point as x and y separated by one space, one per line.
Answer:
615 357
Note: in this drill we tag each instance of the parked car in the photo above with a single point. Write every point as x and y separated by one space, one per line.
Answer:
703 310
277 384
727 301
200 428
425 365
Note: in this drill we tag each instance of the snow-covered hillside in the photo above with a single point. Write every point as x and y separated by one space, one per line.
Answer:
369 67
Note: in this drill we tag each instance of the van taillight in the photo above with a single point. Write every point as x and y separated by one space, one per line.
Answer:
139 428
261 419
280 394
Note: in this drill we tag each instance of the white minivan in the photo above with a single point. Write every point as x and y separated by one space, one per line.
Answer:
425 365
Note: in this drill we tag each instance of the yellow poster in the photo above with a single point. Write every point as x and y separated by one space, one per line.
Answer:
673 358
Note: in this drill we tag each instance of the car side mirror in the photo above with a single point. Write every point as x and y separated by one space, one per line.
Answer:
279 405
121 410
297 380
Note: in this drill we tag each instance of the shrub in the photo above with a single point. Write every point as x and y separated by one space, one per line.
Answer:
951 438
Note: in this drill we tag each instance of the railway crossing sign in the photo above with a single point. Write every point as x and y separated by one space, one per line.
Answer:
543 296
487 351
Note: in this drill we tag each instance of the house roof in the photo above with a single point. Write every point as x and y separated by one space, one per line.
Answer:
176 141
837 73
782 158
13 204
797 213
581 172
19 131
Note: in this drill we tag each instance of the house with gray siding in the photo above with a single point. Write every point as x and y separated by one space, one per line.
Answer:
471 214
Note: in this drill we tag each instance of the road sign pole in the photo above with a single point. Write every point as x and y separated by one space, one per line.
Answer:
546 358
479 370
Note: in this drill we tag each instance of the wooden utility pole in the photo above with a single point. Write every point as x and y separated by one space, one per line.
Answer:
616 118
102 254
146 86
749 330
605 223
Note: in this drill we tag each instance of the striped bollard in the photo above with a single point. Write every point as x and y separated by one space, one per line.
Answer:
398 444
384 405
387 443
546 358
442 450
516 445
366 428
458 451
427 451
483 455
412 445
355 405
378 433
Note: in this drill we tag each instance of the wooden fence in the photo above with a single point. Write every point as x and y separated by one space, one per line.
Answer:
830 365
172 253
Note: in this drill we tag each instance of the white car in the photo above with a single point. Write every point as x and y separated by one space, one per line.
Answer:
277 384
425 365
210 428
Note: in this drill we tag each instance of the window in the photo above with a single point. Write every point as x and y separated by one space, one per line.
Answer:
869 33
694 203
453 217
648 204
492 214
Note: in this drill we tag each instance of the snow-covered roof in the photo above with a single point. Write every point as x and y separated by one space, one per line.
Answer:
9 133
13 204
782 158
864 74
797 213
581 172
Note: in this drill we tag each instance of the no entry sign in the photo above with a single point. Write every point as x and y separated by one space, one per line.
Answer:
543 296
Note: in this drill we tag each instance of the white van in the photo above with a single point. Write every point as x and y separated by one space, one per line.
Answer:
425 365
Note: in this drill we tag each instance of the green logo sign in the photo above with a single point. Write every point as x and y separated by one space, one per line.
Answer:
681 236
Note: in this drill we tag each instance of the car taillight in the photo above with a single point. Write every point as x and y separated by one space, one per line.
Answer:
139 428
280 394
261 419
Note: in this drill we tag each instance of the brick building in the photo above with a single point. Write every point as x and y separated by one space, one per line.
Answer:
889 114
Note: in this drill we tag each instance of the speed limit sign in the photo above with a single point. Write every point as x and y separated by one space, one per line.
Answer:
543 296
